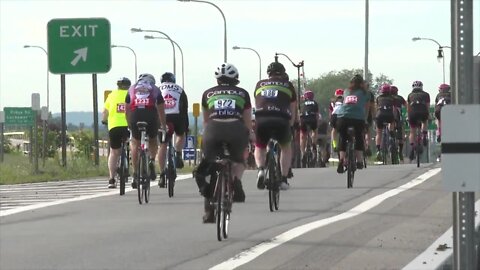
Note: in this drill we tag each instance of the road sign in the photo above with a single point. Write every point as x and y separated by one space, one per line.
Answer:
18 116
44 113
80 45
190 142
35 101
188 154
461 147
196 109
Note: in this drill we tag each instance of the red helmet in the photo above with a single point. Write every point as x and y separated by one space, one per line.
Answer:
385 89
393 90
443 88
339 92
308 95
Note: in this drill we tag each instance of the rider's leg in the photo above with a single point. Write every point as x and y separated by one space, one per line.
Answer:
179 144
113 161
237 171
261 155
162 155
134 145
378 139
359 143
286 158
314 135
303 139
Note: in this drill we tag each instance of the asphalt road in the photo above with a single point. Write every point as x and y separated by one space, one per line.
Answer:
113 232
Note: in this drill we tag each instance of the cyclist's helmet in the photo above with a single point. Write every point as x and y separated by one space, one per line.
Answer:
443 88
385 89
124 82
275 68
339 92
308 95
394 90
168 77
147 77
227 72
357 79
417 85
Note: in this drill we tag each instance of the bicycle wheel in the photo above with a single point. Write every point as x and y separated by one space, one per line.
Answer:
219 207
394 151
278 179
350 166
141 177
417 149
170 179
384 147
146 189
271 182
227 207
122 172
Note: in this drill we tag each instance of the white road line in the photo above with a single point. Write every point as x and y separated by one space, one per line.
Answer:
75 199
253 252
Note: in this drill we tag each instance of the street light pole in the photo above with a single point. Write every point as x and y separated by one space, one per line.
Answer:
258 55
366 39
440 51
224 25
138 30
181 54
134 55
48 73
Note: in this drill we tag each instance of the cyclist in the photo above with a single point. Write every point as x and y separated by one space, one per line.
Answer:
227 113
352 114
418 104
308 120
399 101
443 98
334 107
371 109
275 102
176 110
145 104
114 115
384 114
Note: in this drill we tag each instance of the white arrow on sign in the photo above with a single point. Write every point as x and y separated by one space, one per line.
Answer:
81 54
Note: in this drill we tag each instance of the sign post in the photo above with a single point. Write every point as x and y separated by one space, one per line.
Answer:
196 114
35 109
2 143
44 118
79 45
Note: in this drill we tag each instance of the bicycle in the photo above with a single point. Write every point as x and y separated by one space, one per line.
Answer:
223 193
350 157
385 143
310 157
123 168
418 146
171 167
143 181
273 175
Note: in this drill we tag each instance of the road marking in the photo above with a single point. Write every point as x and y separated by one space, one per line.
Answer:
21 209
253 252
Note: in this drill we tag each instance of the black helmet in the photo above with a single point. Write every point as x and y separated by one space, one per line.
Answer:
124 81
275 68
168 77
357 79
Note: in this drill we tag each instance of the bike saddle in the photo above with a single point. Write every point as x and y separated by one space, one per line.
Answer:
142 125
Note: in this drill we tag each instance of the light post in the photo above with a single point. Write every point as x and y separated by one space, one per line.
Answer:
224 25
440 52
134 56
181 54
298 66
138 30
48 73
259 58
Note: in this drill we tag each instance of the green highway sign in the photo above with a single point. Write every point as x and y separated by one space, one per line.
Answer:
79 45
19 116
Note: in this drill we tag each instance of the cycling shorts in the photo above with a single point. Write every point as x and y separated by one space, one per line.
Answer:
175 124
271 127
416 117
308 123
383 118
342 126
117 135
144 115
234 134
333 121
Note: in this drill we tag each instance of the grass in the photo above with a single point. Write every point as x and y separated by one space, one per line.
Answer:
16 169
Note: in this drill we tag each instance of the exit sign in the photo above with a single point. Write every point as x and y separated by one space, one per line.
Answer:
79 45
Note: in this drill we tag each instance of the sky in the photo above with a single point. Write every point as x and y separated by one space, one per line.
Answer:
327 34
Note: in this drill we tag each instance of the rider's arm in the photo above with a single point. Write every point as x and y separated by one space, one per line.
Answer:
295 116
106 105
205 112
161 111
184 108
127 107
247 118
408 104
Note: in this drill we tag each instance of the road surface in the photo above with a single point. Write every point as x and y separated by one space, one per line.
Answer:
384 222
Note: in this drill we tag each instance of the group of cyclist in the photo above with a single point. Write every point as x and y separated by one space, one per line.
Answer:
228 122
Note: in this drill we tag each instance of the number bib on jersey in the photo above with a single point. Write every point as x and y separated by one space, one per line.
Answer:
120 107
270 93
225 104
351 100
142 102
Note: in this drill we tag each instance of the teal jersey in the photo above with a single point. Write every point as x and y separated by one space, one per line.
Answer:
354 102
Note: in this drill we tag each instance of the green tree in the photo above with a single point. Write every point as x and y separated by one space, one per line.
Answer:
83 142
7 146
379 81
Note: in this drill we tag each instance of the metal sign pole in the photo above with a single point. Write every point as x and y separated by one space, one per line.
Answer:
463 202
95 119
1 141
64 120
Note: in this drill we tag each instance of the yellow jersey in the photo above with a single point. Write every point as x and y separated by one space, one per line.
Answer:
115 105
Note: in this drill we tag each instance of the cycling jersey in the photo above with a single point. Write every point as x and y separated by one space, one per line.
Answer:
173 95
354 102
273 97
398 101
385 104
309 108
115 105
336 106
443 99
418 100
226 102
143 95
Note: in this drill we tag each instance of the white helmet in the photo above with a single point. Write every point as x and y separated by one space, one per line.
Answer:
226 70
417 85
146 77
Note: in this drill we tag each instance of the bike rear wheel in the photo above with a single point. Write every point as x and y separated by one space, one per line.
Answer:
123 174
350 166
141 177
220 215
170 180
271 183
417 149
